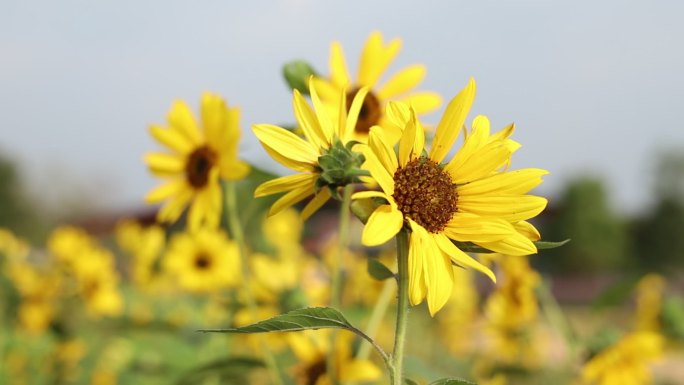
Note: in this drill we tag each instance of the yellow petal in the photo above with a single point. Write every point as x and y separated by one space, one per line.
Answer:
403 81
171 139
287 162
214 114
439 275
466 227
205 209
354 111
233 169
460 258
286 143
165 191
375 58
482 163
308 122
505 133
165 164
383 224
291 198
173 209
412 140
513 182
512 208
284 183
359 371
326 90
181 119
528 230
316 203
338 66
516 244
378 172
369 194
321 110
452 122
473 143
382 150
423 102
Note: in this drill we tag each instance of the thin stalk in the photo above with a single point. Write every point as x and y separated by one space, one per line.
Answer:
235 227
336 279
397 360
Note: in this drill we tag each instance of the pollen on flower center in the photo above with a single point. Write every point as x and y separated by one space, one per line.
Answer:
199 165
370 111
202 261
424 192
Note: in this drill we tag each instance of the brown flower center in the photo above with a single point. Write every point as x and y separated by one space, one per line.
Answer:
311 374
202 261
199 165
370 111
424 192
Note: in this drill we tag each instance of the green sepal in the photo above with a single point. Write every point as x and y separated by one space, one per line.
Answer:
378 270
297 74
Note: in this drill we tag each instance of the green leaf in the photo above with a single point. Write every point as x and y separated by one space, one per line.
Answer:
545 245
295 320
378 270
297 74
409 381
452 381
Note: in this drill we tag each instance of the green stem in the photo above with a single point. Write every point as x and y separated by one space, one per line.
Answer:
336 279
235 227
397 360
554 313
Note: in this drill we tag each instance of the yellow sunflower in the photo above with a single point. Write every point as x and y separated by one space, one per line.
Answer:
199 155
315 157
375 58
468 199
203 261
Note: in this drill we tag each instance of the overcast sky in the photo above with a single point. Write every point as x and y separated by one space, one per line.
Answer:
593 86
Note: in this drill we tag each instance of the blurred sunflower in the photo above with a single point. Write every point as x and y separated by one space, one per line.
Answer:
375 58
322 158
469 199
203 261
200 154
312 347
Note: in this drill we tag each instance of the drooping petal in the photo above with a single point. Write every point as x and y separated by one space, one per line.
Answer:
315 204
173 209
171 139
460 258
308 122
383 224
417 287
452 122
354 110
403 81
512 208
284 183
286 143
513 182
287 162
439 275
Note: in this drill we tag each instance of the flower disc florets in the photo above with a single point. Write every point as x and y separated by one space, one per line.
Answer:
424 192
198 166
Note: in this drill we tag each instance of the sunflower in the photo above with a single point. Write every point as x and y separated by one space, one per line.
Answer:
375 58
199 156
322 158
203 261
468 199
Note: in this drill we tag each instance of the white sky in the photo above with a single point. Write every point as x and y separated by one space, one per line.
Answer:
592 86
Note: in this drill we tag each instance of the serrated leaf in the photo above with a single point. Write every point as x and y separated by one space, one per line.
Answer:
310 318
378 270
452 381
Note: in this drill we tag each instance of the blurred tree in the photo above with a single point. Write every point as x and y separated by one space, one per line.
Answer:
660 234
16 211
599 239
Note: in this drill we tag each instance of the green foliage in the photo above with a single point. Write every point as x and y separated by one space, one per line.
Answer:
599 236
297 74
233 370
378 270
16 213
452 381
